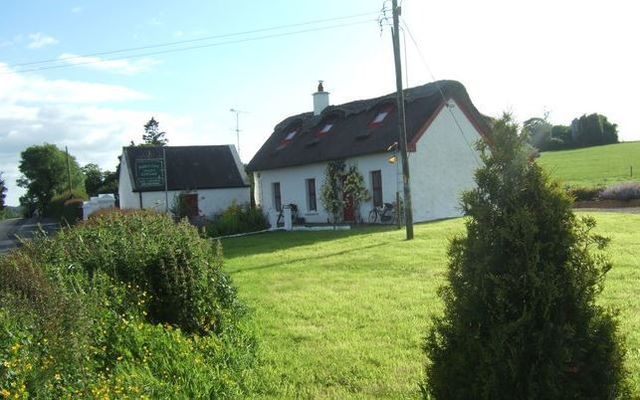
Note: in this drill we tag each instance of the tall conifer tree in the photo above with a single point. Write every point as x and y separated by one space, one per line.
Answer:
520 318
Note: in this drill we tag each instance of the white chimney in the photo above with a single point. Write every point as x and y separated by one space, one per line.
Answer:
320 99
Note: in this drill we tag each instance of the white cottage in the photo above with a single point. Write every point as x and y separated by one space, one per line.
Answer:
442 127
207 178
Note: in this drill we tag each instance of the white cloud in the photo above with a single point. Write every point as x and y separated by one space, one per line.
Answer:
39 40
124 67
76 10
80 115
20 88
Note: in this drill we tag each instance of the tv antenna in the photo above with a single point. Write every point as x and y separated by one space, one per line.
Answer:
238 112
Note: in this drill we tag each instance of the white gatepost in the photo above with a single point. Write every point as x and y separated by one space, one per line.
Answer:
288 223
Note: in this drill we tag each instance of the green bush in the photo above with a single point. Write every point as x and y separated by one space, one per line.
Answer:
123 306
237 219
520 318
67 206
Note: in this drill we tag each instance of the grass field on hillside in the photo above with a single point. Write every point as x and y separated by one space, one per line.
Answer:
594 166
343 314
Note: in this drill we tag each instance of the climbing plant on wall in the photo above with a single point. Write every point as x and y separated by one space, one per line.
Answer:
331 192
342 184
354 189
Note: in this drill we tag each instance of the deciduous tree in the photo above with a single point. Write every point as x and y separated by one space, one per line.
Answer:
594 130
93 177
44 174
3 192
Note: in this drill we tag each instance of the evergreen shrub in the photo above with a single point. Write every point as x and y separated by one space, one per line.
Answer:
521 319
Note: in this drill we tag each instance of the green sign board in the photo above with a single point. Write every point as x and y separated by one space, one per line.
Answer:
150 173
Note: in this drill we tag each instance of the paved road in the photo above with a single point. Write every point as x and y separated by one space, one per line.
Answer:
24 228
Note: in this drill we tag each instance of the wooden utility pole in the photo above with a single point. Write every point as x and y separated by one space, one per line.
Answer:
402 131
166 186
66 150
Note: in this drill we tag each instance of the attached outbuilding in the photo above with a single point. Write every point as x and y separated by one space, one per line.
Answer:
442 124
205 179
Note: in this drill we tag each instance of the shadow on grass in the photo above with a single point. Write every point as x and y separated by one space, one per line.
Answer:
309 258
276 241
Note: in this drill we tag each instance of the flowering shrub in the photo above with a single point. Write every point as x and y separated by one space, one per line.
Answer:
122 306
622 192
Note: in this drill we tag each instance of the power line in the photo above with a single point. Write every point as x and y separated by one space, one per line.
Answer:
424 61
180 42
174 50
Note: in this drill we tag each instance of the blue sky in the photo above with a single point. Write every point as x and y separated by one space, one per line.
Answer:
524 57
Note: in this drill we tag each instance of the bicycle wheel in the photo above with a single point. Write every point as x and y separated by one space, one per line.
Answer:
373 216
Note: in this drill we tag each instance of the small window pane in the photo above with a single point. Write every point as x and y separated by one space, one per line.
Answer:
311 195
326 128
277 201
290 135
380 117
376 188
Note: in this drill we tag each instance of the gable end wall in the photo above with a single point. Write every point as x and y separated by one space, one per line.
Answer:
443 165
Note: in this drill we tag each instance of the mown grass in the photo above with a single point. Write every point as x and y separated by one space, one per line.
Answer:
343 314
594 166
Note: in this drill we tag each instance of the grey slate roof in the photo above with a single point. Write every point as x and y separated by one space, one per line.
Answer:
352 133
189 167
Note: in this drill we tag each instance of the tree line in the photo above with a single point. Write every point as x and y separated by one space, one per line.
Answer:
585 131
51 176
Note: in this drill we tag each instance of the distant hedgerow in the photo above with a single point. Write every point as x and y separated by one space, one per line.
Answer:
622 192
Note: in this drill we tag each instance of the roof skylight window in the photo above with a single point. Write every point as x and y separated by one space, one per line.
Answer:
291 135
380 117
326 128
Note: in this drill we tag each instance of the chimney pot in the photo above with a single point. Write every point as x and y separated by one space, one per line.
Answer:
320 99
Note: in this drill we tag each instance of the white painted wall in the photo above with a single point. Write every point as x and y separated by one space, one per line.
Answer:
441 168
443 165
293 187
128 199
210 201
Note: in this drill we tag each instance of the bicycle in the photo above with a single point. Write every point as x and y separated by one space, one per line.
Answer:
385 214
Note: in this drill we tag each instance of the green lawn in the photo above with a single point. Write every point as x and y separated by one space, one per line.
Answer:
342 314
594 166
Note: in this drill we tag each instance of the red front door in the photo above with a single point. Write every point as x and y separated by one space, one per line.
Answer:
349 214
190 204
